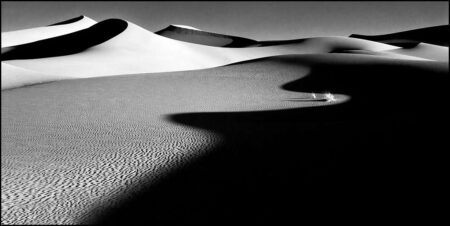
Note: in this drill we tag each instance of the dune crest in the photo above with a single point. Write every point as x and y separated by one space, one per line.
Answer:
69 21
193 35
437 35
425 50
19 37
66 44
185 26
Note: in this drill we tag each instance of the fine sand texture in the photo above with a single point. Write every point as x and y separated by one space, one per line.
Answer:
109 123
259 141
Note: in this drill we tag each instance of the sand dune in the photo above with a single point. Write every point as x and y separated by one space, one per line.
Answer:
13 38
185 126
424 50
136 50
69 21
187 34
66 44
13 77
224 143
438 35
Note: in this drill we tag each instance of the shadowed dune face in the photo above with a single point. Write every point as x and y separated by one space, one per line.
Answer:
438 35
20 37
376 85
66 44
374 151
205 38
68 21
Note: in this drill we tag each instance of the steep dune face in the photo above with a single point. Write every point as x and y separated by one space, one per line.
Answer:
437 35
66 44
187 34
13 38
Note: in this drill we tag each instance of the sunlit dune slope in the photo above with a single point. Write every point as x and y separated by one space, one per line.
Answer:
66 44
20 37
13 77
424 50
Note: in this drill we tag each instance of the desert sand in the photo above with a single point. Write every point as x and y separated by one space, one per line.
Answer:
145 128
130 49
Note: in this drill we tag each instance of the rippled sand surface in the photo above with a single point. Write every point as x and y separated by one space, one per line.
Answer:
72 145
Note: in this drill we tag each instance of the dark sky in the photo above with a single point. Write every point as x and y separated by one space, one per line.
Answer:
257 20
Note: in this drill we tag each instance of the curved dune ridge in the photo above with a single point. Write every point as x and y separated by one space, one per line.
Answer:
187 34
437 35
66 44
13 38
72 20
82 48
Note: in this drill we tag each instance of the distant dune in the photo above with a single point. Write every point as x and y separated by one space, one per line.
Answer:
116 47
69 21
186 34
13 38
438 35
66 44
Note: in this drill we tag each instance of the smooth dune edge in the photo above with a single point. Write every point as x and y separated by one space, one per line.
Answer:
68 21
193 35
66 44
20 37
15 77
436 35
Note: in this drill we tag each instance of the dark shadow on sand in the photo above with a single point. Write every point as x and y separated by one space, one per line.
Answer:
205 38
437 35
69 21
66 44
373 157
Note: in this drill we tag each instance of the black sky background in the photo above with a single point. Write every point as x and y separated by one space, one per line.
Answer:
258 20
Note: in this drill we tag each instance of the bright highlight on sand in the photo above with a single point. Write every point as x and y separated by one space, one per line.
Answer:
330 97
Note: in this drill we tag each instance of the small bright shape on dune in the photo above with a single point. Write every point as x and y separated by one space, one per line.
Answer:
185 26
330 97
